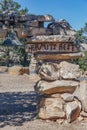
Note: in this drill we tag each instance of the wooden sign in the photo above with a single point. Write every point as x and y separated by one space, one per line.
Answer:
55 47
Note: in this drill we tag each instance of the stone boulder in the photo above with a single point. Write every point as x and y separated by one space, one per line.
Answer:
39 18
3 69
83 47
67 97
61 27
39 31
59 86
69 70
54 71
81 94
49 71
25 70
18 70
72 110
51 108
45 18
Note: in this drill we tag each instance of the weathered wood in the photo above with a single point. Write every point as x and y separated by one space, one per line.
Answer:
66 56
52 47
51 38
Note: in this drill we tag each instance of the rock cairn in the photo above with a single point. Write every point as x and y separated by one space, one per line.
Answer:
63 96
60 92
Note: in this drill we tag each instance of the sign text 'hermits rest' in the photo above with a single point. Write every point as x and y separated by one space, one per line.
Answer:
51 47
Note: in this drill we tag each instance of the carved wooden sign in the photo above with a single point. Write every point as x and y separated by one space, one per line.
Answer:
54 47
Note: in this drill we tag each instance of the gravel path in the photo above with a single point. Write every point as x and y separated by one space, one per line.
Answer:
18 106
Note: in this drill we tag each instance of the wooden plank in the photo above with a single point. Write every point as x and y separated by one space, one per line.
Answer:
51 47
67 56
51 38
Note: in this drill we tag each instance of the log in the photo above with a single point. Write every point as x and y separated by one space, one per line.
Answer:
67 56
51 38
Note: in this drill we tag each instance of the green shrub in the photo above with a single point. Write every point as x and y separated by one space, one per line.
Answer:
82 62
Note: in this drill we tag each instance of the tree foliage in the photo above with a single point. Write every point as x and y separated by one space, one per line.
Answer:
19 52
81 35
6 5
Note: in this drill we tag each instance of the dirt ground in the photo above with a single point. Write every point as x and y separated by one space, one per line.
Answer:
18 106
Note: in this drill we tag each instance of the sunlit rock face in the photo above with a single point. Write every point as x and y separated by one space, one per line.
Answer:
12 39
61 27
64 70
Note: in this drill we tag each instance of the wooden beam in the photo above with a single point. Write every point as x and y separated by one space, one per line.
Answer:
51 38
52 47
55 57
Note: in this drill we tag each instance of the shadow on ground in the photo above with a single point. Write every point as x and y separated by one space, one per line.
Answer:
17 108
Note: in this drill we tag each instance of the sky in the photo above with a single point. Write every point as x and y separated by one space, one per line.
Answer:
74 11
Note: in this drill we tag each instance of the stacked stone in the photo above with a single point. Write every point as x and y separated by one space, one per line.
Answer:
61 91
32 66
57 85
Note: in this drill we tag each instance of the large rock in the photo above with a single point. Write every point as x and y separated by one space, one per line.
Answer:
60 86
72 110
81 94
33 23
67 97
54 71
83 114
61 27
51 108
16 70
45 18
40 18
69 70
49 71
83 47
39 31
3 69
25 70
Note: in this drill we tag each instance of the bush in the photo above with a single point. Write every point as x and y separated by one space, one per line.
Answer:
82 62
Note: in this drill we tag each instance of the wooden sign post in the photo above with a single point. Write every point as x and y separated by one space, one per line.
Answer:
55 47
